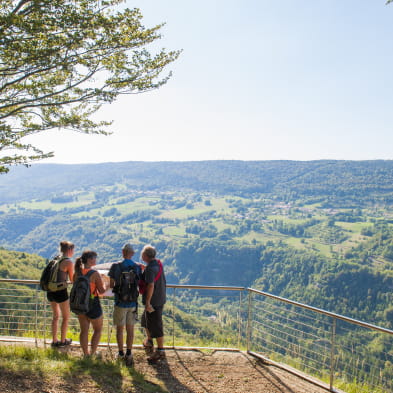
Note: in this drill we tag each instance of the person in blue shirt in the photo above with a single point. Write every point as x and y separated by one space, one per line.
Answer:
124 313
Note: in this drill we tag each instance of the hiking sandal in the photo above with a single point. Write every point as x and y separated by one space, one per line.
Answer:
148 346
156 356
148 343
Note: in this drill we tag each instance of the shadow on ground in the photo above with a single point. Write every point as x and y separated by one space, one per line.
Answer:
181 371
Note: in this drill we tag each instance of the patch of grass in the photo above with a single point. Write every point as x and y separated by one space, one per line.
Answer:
178 230
297 242
44 205
353 226
46 365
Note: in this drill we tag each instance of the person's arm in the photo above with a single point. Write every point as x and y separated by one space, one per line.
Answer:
99 283
149 294
111 275
112 283
141 266
69 268
150 274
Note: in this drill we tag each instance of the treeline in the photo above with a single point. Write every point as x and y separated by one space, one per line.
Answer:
348 183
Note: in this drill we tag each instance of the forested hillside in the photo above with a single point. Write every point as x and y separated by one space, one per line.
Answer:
20 265
358 181
317 232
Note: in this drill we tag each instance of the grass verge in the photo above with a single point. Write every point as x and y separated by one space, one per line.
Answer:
36 367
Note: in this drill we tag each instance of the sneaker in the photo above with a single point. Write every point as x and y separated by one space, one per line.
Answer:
129 360
64 343
54 344
156 356
120 356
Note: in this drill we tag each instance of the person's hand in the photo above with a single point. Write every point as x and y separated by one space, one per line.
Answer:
142 266
105 281
149 308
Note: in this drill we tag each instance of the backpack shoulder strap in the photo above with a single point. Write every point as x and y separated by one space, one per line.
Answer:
54 268
90 273
160 271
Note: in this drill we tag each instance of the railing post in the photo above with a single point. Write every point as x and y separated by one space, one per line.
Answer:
173 318
109 325
239 319
45 308
36 315
249 319
332 356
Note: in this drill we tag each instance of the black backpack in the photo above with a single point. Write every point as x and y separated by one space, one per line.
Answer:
80 294
126 284
48 281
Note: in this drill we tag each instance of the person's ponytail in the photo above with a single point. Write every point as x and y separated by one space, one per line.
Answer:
82 260
78 266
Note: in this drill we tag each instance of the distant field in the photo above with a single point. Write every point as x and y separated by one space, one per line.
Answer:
44 205
353 226
165 216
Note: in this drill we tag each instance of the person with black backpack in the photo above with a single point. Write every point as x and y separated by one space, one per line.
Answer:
153 289
57 295
93 313
124 278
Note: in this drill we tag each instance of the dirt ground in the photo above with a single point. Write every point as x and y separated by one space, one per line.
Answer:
181 372
223 372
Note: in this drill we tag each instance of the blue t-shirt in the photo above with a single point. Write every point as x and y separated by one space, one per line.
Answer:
127 263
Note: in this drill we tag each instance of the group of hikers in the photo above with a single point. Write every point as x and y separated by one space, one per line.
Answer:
152 285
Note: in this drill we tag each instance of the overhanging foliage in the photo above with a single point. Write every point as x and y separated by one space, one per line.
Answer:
60 60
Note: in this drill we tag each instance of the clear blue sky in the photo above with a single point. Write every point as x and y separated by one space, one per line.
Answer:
257 80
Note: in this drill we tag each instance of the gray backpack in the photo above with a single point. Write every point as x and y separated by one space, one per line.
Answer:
48 281
126 283
80 294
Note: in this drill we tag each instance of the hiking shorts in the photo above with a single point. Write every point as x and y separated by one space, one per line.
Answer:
58 297
124 316
152 321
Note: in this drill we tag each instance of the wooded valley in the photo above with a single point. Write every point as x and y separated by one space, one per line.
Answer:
318 232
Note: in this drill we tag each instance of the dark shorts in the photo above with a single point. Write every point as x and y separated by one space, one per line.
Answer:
58 297
95 309
152 321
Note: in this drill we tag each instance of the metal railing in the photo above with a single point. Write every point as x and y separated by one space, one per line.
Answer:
345 352
330 350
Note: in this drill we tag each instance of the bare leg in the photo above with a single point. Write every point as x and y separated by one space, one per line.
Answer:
65 312
148 336
160 342
95 339
148 343
119 337
55 319
84 333
130 336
